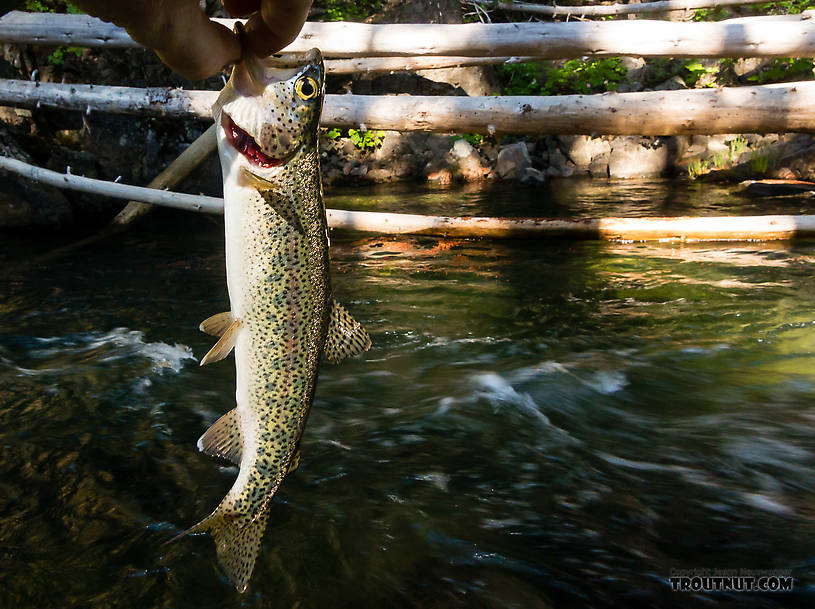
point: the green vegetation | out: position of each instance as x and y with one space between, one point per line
574 76
697 168
474 139
712 14
783 69
364 140
694 70
791 7
348 10
727 158
57 58
50 6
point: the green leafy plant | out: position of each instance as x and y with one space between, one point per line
50 6
366 140
474 139
57 58
790 7
784 69
348 10
712 14
573 76
694 70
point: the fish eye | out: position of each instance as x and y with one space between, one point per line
306 88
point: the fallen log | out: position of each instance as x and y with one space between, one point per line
682 229
604 10
368 65
777 108
177 200
746 37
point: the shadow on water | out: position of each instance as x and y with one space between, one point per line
536 425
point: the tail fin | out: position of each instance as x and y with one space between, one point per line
237 541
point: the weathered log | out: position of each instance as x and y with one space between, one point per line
683 229
368 65
777 108
602 10
746 37
152 101
111 189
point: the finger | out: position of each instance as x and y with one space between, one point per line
199 51
241 8
276 25
181 34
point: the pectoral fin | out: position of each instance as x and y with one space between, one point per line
224 345
223 439
217 324
282 204
346 336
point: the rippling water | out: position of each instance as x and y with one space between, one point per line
537 424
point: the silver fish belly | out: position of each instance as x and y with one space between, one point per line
282 317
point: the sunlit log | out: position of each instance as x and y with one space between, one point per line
746 37
604 10
683 229
776 108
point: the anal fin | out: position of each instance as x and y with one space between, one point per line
217 324
223 439
346 336
224 345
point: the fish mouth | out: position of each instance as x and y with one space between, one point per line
247 146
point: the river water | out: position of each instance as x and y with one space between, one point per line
536 425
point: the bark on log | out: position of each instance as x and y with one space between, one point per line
684 229
369 65
602 10
777 108
747 37
177 200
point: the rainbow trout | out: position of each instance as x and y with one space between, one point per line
283 317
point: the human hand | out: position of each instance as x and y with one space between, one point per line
188 42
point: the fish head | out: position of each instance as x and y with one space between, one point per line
269 111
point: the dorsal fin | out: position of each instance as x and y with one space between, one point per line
224 345
217 324
224 439
346 336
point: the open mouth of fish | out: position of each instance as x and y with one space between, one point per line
247 146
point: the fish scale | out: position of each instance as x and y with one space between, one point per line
283 317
